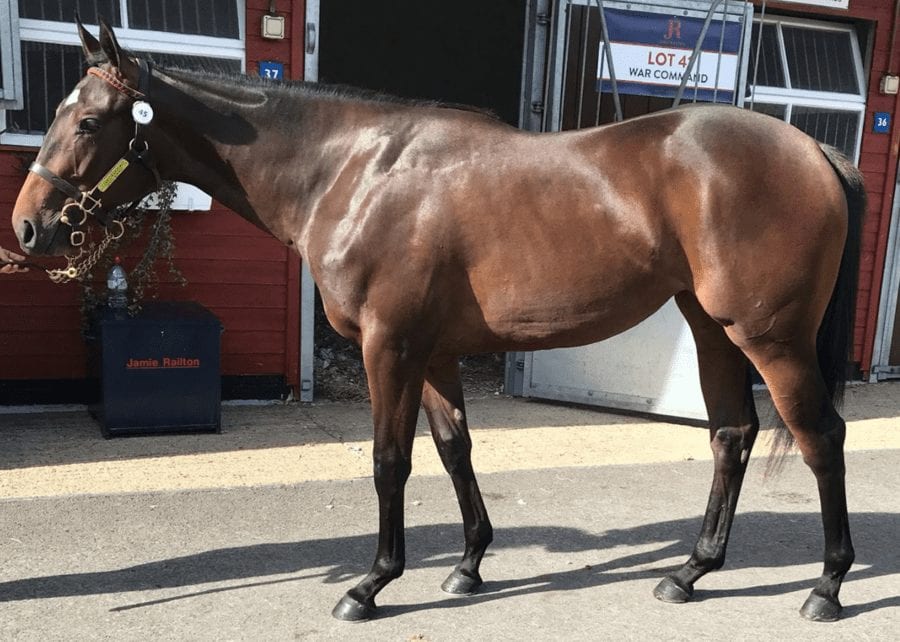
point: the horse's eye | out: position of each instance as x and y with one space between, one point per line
88 126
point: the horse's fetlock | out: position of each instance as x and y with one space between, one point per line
482 533
839 562
389 568
707 559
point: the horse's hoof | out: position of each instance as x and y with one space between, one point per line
349 609
673 591
459 583
819 608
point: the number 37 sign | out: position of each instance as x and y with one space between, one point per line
271 70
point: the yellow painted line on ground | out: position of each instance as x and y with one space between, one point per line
495 450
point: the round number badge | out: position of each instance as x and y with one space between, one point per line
142 112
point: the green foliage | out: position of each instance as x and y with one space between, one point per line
143 279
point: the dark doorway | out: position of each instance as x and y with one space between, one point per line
465 51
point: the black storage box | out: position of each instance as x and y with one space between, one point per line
158 370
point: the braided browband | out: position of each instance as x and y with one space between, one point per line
117 84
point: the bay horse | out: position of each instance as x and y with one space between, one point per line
434 232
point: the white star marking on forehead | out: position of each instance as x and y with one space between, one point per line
73 97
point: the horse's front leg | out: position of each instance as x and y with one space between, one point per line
396 374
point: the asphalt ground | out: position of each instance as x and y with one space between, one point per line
257 532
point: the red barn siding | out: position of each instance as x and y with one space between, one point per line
247 278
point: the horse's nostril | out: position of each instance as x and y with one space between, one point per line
28 236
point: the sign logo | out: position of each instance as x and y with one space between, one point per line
674 31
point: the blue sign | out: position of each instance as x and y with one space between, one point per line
651 52
271 69
882 124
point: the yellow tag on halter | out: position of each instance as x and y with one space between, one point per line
112 175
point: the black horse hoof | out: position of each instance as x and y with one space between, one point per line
349 609
821 609
459 583
673 591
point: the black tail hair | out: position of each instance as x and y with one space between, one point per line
834 342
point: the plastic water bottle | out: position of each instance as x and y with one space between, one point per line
117 286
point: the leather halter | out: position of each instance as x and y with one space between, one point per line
88 203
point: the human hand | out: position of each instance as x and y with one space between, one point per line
10 268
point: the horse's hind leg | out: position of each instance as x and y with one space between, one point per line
799 393
733 425
443 402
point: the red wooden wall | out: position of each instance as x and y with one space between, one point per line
248 279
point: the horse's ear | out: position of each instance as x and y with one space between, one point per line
93 53
117 56
110 45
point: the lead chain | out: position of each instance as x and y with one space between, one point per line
74 270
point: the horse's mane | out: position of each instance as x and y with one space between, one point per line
235 86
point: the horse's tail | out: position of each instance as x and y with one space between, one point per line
834 341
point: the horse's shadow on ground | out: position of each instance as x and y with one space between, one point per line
761 539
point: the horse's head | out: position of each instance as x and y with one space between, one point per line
94 156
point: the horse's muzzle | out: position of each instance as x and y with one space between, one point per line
37 239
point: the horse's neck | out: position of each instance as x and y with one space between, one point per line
266 154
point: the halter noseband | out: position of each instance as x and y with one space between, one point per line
88 203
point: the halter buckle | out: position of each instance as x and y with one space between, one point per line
76 238
88 203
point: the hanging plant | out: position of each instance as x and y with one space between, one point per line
143 277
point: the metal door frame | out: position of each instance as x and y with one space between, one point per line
887 305
307 285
